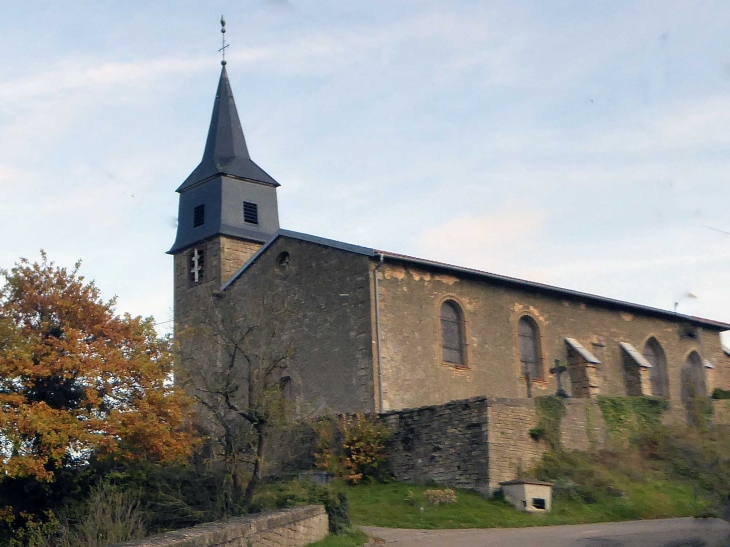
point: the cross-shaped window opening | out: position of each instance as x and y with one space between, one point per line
197 265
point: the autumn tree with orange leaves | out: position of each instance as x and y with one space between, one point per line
78 381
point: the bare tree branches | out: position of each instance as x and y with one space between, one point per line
234 354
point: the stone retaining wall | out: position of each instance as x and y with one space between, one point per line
477 443
294 527
446 444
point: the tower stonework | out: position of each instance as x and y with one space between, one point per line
227 211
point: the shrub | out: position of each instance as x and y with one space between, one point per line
35 533
720 393
440 497
338 511
352 448
537 433
293 493
109 516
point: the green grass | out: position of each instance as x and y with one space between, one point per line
352 538
663 474
385 505
660 473
598 487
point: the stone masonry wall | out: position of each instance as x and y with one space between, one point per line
286 528
223 257
413 371
478 443
324 316
319 306
446 444
510 447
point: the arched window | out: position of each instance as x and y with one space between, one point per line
285 386
693 378
530 354
452 333
654 353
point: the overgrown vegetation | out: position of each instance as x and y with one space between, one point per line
292 493
627 418
550 412
646 471
352 448
437 496
109 516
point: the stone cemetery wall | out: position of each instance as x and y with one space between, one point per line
477 443
286 528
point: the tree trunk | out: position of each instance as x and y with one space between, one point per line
255 475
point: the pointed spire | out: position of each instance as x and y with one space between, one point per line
226 152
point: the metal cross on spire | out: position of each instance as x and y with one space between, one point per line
223 41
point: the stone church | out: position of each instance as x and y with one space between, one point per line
374 331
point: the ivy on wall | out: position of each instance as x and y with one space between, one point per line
591 427
627 417
550 411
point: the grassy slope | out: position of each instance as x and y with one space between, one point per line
385 505
668 473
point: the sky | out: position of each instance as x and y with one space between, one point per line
584 145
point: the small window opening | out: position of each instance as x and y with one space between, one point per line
198 216
538 503
283 261
286 388
250 212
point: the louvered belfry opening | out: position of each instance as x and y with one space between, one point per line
250 212
530 347
198 216
452 333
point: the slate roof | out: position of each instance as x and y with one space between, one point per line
503 280
226 152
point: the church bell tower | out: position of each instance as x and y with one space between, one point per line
227 208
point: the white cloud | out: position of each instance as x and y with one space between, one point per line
493 242
88 75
